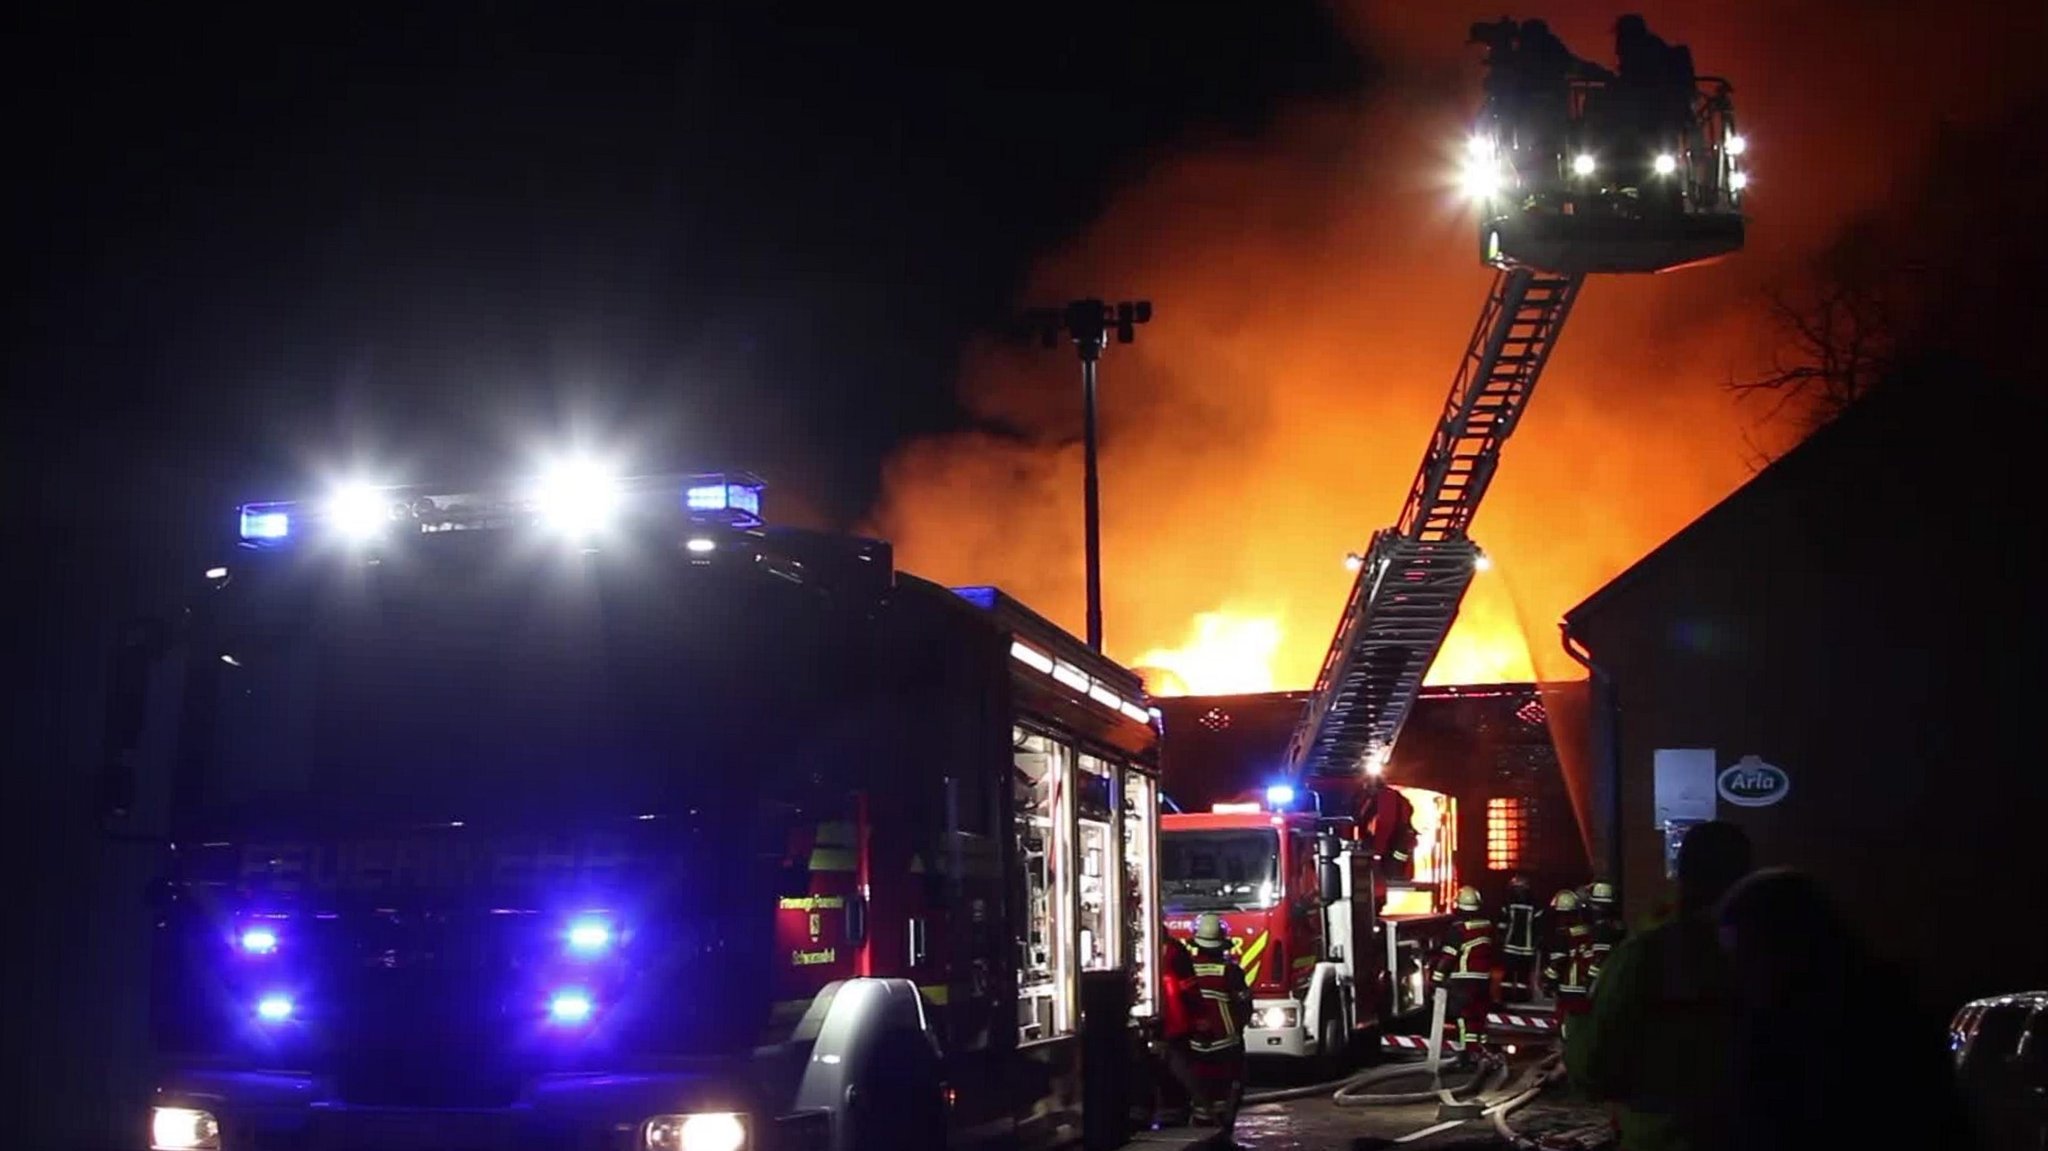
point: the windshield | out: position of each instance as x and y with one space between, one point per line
459 681
1219 870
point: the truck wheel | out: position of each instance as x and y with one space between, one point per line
1335 1049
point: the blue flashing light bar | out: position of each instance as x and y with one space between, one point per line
744 498
731 500
981 597
266 522
1280 796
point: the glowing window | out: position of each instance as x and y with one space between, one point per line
1506 830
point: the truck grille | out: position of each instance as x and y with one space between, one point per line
446 1079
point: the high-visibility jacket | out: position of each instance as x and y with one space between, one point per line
1179 999
1573 958
1467 952
1570 972
1518 929
1556 932
1607 931
1226 1005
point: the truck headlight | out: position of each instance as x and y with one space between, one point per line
182 1129
703 1131
1271 1018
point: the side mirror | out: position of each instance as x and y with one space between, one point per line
140 643
1331 878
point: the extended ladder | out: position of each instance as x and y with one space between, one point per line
1415 573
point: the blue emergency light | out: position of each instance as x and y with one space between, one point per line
1279 796
577 501
744 498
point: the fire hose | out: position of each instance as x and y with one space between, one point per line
1533 1082
1359 1090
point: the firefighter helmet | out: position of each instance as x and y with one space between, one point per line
1209 932
1566 900
1602 894
1518 888
1468 899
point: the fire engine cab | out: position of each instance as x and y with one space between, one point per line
601 813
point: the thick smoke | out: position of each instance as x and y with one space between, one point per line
1314 292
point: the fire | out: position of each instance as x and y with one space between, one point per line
1226 653
1314 290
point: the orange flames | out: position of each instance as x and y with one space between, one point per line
1314 291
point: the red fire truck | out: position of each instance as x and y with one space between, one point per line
601 813
1329 963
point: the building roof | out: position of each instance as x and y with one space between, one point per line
1815 456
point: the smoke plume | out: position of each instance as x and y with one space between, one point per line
1313 293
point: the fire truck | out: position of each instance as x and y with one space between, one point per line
1330 958
599 813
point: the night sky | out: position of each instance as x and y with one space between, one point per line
418 243
257 249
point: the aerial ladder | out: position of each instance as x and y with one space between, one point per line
1609 195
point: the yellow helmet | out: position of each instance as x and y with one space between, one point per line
1566 900
1602 894
1468 899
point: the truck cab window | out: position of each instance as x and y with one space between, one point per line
1220 870
1041 798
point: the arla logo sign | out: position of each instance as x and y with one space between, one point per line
1751 782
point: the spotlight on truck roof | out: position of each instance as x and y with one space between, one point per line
578 496
1665 163
1482 180
359 512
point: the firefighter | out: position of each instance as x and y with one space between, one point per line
1545 69
1216 1039
1562 924
1518 939
1568 977
1390 818
1175 1088
1603 922
1465 969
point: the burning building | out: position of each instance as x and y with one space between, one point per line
1493 749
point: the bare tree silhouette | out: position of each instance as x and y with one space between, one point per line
1840 331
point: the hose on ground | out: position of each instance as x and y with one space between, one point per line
1539 1077
1329 1087
1356 1090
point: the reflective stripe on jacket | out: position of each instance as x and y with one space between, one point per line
1225 1005
1467 952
